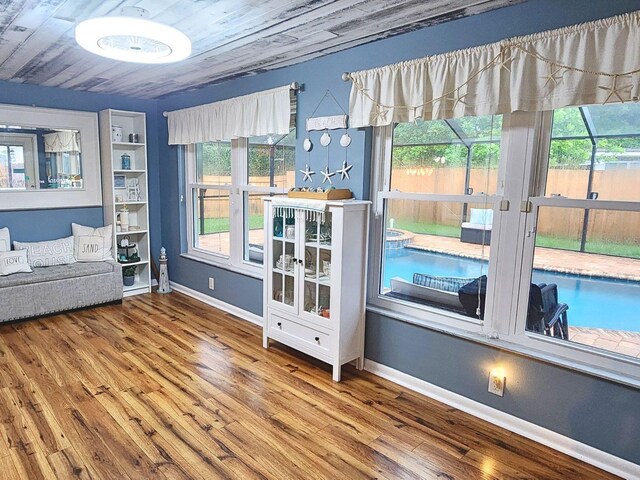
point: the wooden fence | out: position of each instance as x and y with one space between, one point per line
621 227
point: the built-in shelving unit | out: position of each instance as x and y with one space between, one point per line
119 191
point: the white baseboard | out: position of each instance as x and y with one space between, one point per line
214 302
581 451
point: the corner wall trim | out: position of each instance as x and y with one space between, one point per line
214 302
561 443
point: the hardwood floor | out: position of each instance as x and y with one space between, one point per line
167 387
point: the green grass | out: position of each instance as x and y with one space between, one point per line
592 246
427 228
221 225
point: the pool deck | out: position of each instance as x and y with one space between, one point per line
626 343
549 259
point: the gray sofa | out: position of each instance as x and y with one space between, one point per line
55 289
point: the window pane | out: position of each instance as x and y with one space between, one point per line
604 167
569 164
435 256
453 157
476 129
616 119
211 220
272 160
253 227
12 169
213 163
590 294
568 122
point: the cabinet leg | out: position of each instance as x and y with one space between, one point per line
337 370
360 362
265 341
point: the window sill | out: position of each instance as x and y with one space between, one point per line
246 270
513 346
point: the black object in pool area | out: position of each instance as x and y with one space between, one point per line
473 295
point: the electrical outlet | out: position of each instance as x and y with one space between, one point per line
497 380
212 283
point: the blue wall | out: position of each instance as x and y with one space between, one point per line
591 410
35 225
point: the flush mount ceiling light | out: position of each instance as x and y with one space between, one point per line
131 38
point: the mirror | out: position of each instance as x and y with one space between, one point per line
39 158
49 158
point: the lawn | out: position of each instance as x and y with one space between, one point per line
592 246
427 228
221 225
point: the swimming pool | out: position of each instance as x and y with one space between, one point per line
593 302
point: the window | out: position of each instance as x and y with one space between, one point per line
584 278
15 172
543 206
438 190
226 181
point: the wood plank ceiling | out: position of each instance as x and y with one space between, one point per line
231 38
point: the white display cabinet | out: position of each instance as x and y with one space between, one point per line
125 188
315 274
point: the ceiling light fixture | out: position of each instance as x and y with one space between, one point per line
131 38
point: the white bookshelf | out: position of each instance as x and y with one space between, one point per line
111 154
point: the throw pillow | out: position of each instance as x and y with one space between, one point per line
14 262
48 254
92 244
5 240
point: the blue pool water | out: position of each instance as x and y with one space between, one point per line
593 302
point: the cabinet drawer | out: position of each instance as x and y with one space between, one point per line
299 335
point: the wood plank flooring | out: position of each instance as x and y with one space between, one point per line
166 387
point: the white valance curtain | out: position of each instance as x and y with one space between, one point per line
261 113
595 62
61 141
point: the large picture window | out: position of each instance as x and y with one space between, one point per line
437 195
523 228
585 275
226 181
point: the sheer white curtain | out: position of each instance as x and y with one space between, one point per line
61 141
262 113
595 62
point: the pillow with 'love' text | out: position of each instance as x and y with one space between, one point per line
14 262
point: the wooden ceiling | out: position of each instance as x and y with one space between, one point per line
231 38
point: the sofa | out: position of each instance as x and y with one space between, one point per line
58 288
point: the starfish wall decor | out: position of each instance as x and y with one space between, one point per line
307 172
344 171
327 175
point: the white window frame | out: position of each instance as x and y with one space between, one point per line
29 144
237 220
380 192
524 154
611 365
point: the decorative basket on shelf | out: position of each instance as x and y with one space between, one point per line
333 194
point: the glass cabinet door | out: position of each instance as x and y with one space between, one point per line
283 258
317 266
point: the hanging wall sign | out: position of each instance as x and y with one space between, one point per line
332 122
